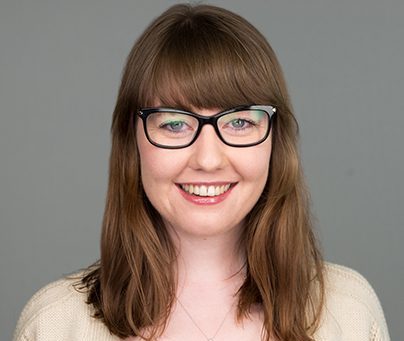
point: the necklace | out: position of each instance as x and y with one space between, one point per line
199 328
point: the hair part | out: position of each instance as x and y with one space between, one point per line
205 57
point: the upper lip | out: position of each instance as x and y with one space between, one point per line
202 183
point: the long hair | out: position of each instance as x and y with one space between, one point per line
205 57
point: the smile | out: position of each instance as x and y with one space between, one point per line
205 190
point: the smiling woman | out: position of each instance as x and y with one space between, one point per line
204 165
207 232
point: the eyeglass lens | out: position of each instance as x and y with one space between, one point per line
178 129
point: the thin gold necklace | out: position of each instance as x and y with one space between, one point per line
199 328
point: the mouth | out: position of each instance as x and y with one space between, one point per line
206 190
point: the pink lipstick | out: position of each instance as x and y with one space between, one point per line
205 200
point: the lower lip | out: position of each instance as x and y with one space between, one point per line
197 200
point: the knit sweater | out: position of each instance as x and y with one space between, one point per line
59 312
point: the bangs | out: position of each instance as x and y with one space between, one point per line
199 66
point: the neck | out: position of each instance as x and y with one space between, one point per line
208 260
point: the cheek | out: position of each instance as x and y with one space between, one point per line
158 166
254 164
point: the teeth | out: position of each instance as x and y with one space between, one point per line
211 191
205 191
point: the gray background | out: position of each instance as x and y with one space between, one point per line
60 69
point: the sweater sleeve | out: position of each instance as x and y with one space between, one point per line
59 312
28 326
352 306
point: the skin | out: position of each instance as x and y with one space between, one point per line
206 235
207 160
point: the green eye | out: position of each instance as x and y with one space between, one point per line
173 125
238 123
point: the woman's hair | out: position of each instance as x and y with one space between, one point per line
205 57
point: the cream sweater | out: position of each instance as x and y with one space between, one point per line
59 313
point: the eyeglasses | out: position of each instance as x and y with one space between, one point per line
242 126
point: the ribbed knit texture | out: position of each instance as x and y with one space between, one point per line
58 312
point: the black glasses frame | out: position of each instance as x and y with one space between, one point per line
270 110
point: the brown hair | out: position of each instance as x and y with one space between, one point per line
205 57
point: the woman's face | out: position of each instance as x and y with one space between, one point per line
210 167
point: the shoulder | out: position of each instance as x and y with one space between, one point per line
352 308
59 311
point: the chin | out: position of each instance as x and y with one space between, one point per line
206 229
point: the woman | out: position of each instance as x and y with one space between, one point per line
206 232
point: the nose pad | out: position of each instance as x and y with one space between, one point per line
208 151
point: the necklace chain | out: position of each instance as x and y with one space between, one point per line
199 328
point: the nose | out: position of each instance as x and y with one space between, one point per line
208 151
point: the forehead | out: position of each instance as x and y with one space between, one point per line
185 106
217 83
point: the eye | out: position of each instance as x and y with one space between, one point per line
239 123
173 126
